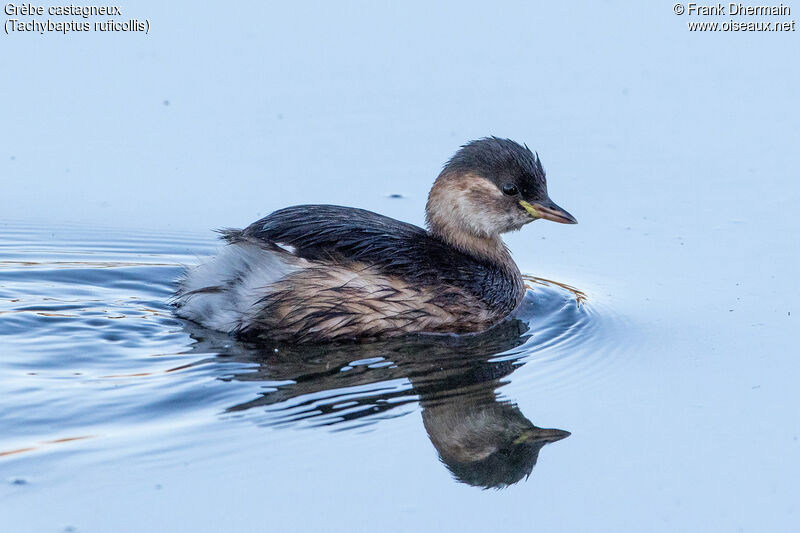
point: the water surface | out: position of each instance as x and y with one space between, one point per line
98 373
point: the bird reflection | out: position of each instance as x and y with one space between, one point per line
482 440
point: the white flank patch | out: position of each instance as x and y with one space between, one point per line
244 272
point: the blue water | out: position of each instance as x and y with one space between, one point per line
672 363
99 374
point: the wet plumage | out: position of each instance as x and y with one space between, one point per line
319 272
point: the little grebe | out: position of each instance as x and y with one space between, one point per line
321 272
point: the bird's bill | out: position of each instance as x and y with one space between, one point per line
542 434
549 211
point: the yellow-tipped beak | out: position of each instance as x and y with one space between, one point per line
548 211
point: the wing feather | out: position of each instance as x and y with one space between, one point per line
328 232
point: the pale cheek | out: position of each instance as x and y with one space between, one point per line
516 220
480 209
482 219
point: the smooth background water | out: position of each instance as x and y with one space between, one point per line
677 152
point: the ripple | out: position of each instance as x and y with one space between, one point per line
91 347
575 337
77 306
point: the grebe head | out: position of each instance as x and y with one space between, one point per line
490 186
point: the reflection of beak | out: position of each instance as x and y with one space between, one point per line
542 435
548 210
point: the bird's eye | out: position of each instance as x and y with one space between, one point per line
510 189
